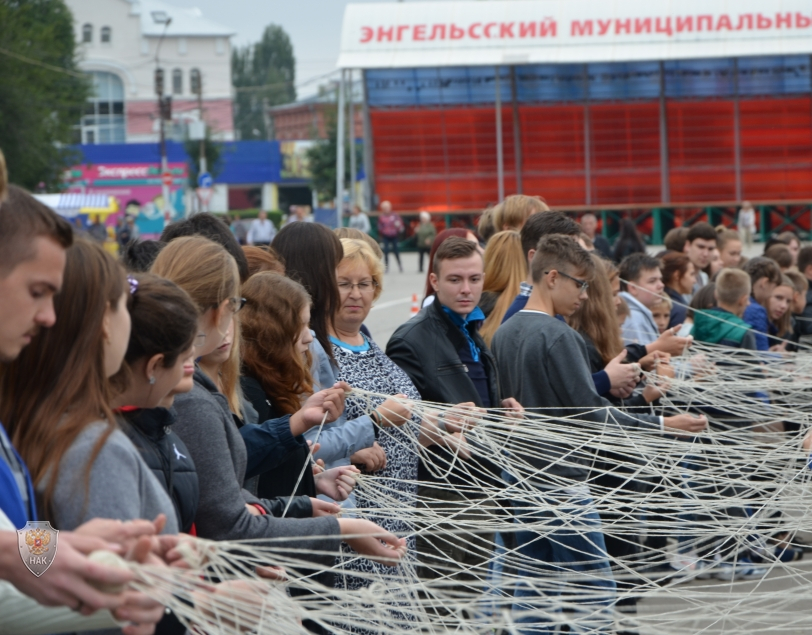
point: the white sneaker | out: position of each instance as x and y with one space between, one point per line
743 569
685 563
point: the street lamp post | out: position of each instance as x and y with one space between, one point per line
164 105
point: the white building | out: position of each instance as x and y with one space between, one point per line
122 42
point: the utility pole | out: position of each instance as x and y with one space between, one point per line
164 106
351 140
197 89
340 139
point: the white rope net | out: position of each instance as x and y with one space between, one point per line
681 516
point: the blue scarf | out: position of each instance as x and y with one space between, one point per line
462 323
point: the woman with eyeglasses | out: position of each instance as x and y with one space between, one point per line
226 511
364 365
312 254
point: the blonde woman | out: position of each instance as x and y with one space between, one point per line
513 212
505 269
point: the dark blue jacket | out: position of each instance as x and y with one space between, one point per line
678 311
756 316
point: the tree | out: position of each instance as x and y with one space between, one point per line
42 91
322 159
214 159
264 75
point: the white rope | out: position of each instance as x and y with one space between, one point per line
711 500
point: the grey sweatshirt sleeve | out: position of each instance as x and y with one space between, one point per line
221 514
572 384
120 486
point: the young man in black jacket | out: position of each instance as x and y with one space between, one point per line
448 362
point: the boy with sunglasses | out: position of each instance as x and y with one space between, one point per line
542 362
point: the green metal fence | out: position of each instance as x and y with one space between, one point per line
653 221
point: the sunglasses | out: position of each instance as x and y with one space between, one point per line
582 285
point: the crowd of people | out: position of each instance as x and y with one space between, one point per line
201 384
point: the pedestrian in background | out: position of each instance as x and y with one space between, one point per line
747 223
97 230
262 230
238 229
359 220
389 227
589 225
425 234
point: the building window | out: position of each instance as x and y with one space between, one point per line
177 82
103 119
87 33
194 81
181 46
105 34
219 46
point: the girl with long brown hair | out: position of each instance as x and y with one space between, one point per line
598 325
56 403
779 314
205 423
505 269
277 380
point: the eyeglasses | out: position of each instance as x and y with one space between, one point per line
365 286
236 304
200 340
583 285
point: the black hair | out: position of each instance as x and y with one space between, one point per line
702 231
211 227
312 252
139 255
804 258
628 241
545 224
634 265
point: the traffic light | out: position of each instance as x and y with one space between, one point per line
159 81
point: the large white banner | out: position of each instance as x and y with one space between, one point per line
496 32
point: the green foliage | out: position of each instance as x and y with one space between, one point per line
39 106
275 216
322 160
268 64
214 157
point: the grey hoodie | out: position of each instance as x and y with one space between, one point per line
206 426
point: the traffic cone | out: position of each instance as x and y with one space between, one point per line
415 306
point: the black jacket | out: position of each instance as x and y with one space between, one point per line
166 455
290 453
426 348
678 311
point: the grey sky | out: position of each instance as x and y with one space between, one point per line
313 25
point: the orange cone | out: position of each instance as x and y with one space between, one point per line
415 305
